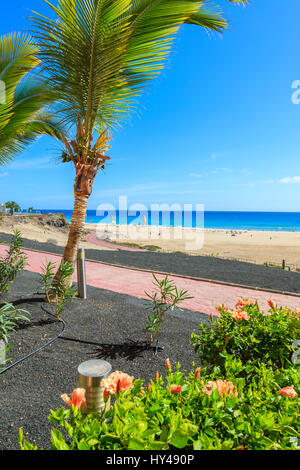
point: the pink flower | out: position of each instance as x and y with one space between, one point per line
175 389
117 382
168 365
223 387
77 398
288 392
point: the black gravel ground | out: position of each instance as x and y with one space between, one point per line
205 267
30 389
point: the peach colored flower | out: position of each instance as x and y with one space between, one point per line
77 398
168 365
240 315
149 387
223 387
288 392
117 382
156 375
175 389
240 448
197 373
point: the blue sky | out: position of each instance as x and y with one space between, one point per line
218 127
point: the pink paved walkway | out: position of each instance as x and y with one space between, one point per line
92 238
129 281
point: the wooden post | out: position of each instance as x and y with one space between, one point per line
81 276
2 352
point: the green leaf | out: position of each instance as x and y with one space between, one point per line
83 445
136 443
182 434
57 440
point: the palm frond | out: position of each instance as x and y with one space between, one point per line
100 54
25 112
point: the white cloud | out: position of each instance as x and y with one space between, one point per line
290 179
195 175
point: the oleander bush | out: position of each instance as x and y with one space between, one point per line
10 316
12 263
57 291
204 409
164 299
249 334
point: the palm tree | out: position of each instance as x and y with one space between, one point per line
99 55
31 209
24 100
13 206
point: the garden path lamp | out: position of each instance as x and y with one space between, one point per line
90 375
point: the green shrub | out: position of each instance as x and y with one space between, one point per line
249 334
58 294
13 263
9 318
166 298
202 410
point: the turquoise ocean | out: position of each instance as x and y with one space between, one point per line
268 221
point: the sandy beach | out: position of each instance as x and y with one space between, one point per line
35 228
252 246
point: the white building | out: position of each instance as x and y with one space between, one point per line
2 208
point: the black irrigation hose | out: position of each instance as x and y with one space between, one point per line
40 348
77 340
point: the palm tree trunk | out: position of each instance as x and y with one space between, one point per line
85 176
76 231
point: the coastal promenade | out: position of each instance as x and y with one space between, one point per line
134 282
